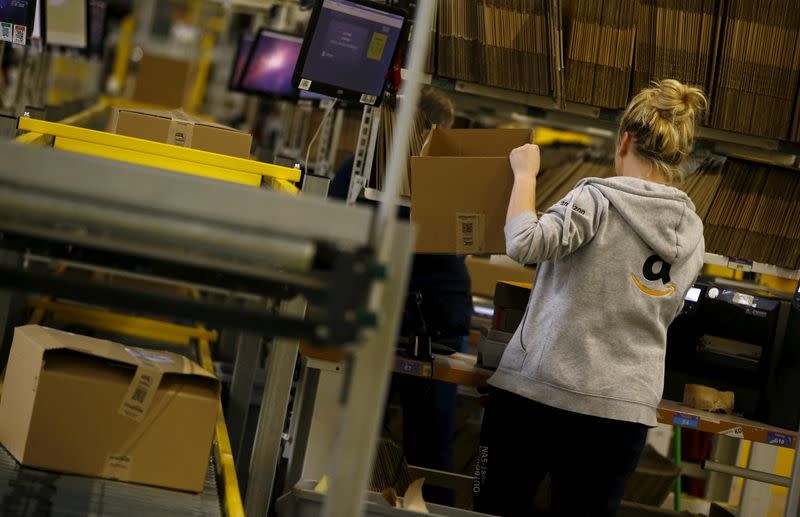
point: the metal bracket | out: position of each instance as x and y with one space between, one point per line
365 152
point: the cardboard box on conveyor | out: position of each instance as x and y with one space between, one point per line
88 406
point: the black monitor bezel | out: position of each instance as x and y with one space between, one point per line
237 87
336 91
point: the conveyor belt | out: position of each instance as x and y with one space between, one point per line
27 492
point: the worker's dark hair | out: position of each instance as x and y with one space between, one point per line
436 107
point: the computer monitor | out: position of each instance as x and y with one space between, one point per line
350 46
240 61
66 23
97 27
16 20
271 65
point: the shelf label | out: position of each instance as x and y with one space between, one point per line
783 440
740 265
736 432
685 420
408 366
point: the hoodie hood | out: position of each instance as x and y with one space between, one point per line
662 216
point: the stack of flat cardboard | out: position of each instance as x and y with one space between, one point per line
599 53
564 170
750 211
677 40
516 45
461 37
757 75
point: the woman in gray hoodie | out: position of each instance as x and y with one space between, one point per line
580 381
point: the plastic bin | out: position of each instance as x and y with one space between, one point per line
302 501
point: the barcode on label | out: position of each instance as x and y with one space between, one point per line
305 84
139 395
5 31
469 233
20 34
368 99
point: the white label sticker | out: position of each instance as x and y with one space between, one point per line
118 466
140 393
20 34
368 99
305 84
469 233
5 31
149 356
736 432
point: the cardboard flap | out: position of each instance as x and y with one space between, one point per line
475 142
165 362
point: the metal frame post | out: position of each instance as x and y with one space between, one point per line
248 350
322 164
793 499
365 152
274 404
365 393
756 494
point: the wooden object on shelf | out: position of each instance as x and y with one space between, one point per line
708 399
757 72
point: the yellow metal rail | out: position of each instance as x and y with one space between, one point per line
160 162
146 328
230 482
194 156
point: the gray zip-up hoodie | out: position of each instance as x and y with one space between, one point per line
616 257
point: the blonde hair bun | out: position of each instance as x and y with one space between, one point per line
661 122
677 101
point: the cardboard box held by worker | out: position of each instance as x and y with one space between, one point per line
178 128
87 406
460 187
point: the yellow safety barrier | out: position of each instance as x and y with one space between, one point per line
159 149
160 162
146 328
230 482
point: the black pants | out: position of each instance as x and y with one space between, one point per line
589 459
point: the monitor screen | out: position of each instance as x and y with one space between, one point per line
271 64
97 26
349 49
240 61
16 20
66 23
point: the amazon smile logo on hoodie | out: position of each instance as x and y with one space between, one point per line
649 273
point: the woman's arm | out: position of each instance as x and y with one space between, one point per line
525 164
